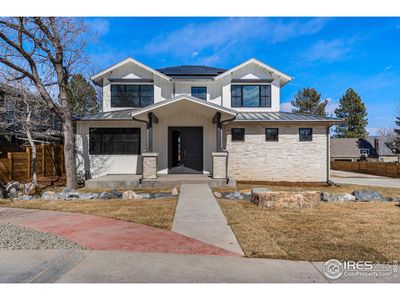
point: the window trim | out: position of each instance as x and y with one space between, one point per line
244 134
277 134
191 91
259 95
300 140
131 84
139 146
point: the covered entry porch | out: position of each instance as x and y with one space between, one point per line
184 136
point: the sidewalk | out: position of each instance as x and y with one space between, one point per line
199 216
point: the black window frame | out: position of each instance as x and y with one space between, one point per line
263 100
301 136
104 141
199 87
141 95
234 139
266 134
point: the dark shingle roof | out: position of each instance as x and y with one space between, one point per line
198 71
350 147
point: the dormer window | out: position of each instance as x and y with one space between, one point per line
250 95
132 95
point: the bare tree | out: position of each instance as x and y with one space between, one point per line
386 133
47 50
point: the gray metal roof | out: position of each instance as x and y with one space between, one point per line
282 117
125 114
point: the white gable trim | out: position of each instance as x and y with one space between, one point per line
128 60
286 77
182 98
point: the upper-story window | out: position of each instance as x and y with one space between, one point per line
199 92
132 95
251 95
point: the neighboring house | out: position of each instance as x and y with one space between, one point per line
372 148
198 119
12 135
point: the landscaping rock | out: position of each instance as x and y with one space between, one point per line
259 190
247 195
110 195
393 199
366 195
131 195
49 195
12 188
217 195
88 196
145 195
161 195
174 192
286 200
332 197
233 196
24 197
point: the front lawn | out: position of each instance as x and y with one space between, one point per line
157 213
345 231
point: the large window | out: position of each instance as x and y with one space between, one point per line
131 95
271 134
237 134
251 95
114 141
305 134
199 92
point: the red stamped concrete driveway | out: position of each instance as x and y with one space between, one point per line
101 233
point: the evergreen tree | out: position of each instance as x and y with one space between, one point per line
354 113
82 96
308 101
397 135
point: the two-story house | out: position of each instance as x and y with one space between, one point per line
199 119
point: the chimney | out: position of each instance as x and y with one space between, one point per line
376 146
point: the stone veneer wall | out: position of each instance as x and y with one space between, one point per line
219 165
149 165
285 160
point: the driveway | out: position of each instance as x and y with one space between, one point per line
78 266
363 179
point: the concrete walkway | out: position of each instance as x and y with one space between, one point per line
100 233
199 216
79 266
342 177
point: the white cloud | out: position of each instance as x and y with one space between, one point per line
329 51
227 35
286 106
331 106
99 25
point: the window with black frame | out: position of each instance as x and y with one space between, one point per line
132 95
271 134
107 141
237 134
305 134
199 92
250 95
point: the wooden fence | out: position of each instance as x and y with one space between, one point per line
373 168
18 165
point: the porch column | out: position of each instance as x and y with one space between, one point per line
219 132
149 132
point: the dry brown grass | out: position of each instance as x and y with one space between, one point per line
345 231
343 188
157 213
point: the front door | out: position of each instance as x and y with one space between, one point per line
185 150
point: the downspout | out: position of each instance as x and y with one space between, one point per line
328 156
222 144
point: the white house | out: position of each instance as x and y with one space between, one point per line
198 119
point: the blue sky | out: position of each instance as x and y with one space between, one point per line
329 54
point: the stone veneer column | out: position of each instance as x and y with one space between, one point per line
149 165
219 165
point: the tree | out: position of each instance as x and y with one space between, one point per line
308 101
397 135
47 50
354 114
82 96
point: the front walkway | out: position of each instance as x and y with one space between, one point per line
101 233
342 177
199 216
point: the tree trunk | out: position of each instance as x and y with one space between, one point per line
33 146
69 154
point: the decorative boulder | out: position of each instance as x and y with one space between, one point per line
287 200
366 195
68 194
332 197
12 188
88 196
217 195
162 195
131 195
174 192
110 195
49 195
24 197
393 199
145 195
